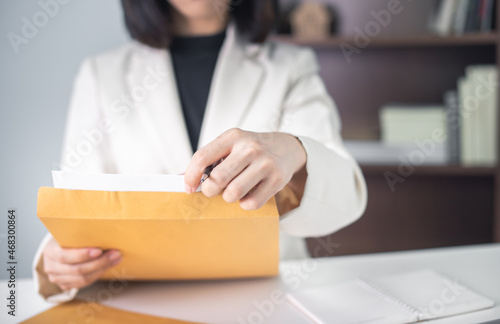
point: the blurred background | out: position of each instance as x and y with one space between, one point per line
415 83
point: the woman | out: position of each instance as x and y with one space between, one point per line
200 77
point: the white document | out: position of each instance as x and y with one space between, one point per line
118 182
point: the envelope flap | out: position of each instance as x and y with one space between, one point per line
93 204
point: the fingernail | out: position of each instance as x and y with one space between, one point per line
188 189
115 262
114 255
95 253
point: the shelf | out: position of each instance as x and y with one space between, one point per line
397 41
441 170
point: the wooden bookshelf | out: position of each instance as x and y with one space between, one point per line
444 171
482 39
436 206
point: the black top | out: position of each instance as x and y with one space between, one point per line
194 59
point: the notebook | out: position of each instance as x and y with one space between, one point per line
403 298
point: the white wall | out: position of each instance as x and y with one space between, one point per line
35 86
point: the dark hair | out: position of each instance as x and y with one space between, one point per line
149 21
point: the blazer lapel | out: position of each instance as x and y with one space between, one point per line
161 112
235 82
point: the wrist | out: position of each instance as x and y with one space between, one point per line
300 155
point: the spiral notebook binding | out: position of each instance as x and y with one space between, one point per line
391 299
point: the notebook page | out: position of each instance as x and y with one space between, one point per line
118 182
346 303
433 294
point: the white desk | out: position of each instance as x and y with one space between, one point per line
235 301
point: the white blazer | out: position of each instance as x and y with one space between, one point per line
125 117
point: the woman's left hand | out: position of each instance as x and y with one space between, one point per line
256 166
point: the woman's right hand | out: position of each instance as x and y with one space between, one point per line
76 268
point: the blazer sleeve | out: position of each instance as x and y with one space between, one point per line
335 191
83 152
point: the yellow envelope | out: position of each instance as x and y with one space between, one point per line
166 235
83 312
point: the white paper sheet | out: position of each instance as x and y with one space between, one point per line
118 182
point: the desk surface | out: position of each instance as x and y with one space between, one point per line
260 300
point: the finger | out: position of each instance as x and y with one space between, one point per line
108 259
72 281
259 195
208 155
68 281
70 255
224 173
240 186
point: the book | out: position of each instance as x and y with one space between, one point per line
484 79
487 15
380 153
406 123
453 125
468 156
407 297
473 17
460 20
464 16
478 93
443 21
494 14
